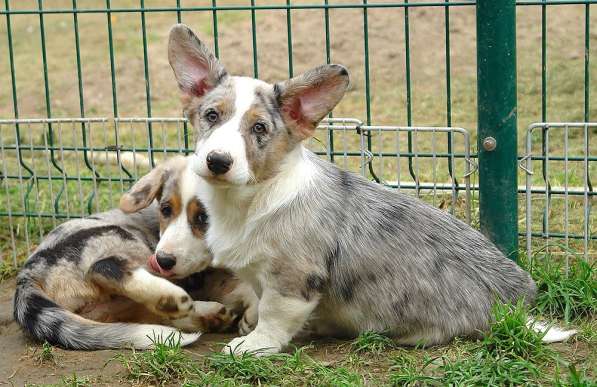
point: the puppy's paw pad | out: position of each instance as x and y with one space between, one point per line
175 306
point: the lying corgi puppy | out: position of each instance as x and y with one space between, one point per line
325 249
90 284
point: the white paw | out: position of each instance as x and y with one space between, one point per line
176 304
253 343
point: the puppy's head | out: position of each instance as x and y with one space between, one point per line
245 126
183 220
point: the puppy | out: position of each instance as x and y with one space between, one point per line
325 249
90 285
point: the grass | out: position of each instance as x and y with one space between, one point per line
372 342
509 335
165 363
46 355
568 293
510 353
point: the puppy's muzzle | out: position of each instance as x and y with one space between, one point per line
219 162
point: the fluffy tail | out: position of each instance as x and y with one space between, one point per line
47 321
551 334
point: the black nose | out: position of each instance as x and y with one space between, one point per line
219 162
166 261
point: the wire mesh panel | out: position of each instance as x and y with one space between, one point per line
54 169
433 163
559 188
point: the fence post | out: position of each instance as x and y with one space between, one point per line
496 106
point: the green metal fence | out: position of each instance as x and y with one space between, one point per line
439 95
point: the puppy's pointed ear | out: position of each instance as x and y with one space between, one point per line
196 69
306 99
143 191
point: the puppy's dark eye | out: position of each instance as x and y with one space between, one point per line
211 116
201 218
259 128
166 210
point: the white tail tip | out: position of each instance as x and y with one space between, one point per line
552 334
146 337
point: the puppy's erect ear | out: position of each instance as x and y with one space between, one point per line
143 191
196 69
306 99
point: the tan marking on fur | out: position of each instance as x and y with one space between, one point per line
221 99
175 201
264 161
63 285
195 209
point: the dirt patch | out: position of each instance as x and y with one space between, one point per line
21 360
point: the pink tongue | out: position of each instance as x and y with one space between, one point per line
152 262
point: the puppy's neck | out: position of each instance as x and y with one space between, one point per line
295 174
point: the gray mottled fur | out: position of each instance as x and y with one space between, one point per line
388 262
129 236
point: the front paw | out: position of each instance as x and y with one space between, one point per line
174 305
253 343
248 322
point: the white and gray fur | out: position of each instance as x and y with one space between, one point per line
326 250
87 285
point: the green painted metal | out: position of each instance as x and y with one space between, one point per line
496 106
254 37
214 18
328 60
289 34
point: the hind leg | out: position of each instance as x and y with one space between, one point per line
158 294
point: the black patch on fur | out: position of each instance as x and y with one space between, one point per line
221 76
345 180
346 286
391 220
34 305
278 94
70 248
112 268
331 258
315 282
343 71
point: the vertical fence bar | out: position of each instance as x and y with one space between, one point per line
254 37
112 65
289 34
496 106
15 104
328 60
147 81
214 18
409 116
449 110
367 85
